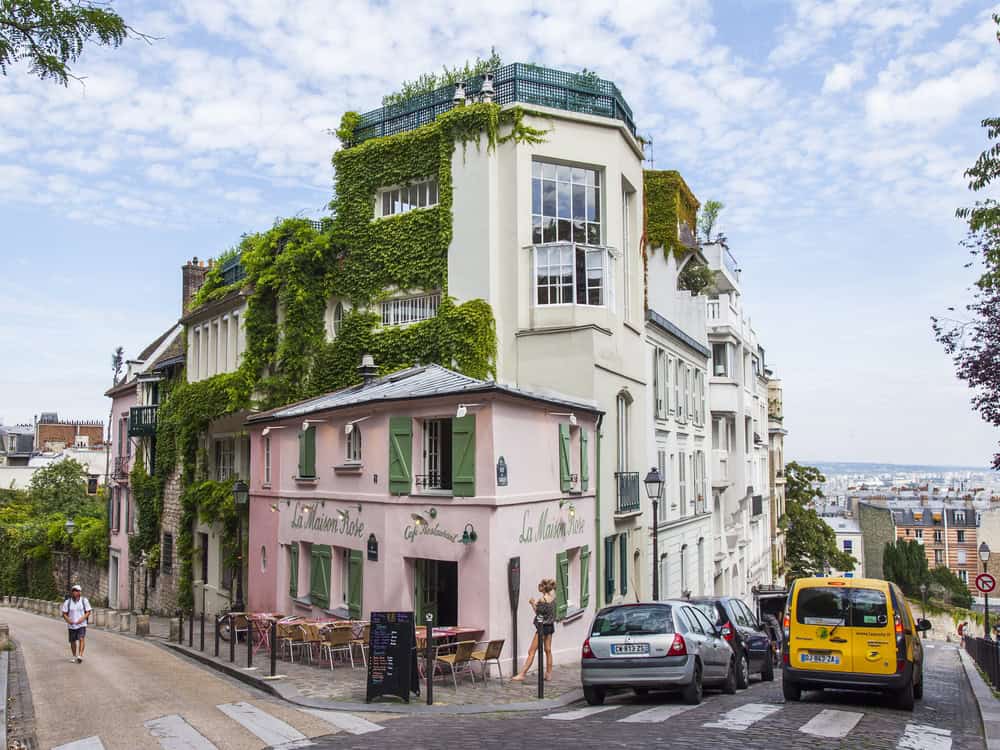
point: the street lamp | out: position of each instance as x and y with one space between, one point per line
984 555
923 590
654 488
70 528
241 497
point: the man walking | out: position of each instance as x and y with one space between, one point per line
76 612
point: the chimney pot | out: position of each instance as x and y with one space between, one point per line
367 370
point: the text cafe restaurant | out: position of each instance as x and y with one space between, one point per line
413 492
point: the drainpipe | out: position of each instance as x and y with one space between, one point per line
598 547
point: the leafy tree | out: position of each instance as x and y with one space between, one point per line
60 487
904 562
695 278
449 76
51 34
709 216
810 543
955 592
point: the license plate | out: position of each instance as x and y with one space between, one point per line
820 658
630 649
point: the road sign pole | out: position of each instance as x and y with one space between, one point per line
985 583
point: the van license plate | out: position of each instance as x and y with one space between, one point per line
630 649
821 658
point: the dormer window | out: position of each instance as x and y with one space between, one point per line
401 199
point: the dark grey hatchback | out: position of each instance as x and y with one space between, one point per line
754 649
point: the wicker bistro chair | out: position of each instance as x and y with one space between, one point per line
290 636
338 641
459 661
361 643
313 638
489 655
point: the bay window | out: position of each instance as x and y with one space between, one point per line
567 273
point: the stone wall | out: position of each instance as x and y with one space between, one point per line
91 576
878 529
163 586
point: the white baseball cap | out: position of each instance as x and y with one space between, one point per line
76 588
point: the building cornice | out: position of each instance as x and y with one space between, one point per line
665 326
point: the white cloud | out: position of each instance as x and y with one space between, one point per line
843 76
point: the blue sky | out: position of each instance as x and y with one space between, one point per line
836 132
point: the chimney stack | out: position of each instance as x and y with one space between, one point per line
368 371
192 277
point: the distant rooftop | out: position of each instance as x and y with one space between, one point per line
517 82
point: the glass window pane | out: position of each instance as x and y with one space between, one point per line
564 173
543 295
579 202
581 277
536 196
564 200
565 230
549 230
386 204
414 196
579 175
591 175
536 169
549 198
432 194
579 232
422 194
536 230
549 171
593 234
597 177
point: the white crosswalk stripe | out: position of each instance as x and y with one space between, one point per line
344 721
657 714
176 734
831 723
743 717
90 743
924 737
580 713
270 730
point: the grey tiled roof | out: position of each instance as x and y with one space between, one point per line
415 382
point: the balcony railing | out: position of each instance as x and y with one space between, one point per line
233 271
518 82
628 491
120 468
730 262
142 421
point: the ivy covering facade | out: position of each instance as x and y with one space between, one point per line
668 201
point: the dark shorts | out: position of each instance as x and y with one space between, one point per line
548 628
77 635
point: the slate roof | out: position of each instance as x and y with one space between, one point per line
423 381
908 518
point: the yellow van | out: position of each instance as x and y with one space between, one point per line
852 633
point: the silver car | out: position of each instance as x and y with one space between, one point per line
655 645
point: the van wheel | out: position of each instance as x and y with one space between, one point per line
767 672
791 691
743 672
904 698
594 695
729 686
692 692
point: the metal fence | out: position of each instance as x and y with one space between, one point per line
986 654
628 491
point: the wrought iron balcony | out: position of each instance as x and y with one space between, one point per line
628 491
518 82
142 421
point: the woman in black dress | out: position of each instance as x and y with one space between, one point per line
546 608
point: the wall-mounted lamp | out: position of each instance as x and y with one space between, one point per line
267 430
418 518
572 507
463 409
571 415
349 427
469 535
307 422
274 507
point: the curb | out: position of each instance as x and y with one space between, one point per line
4 665
291 695
989 706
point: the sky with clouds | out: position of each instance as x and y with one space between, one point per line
836 132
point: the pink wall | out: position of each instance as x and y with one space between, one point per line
120 405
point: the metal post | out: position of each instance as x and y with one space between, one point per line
249 644
986 611
238 604
216 621
656 554
191 629
541 656
180 626
232 639
69 582
274 647
145 590
429 655
202 630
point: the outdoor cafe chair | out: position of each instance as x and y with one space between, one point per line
459 661
313 638
290 636
338 641
361 642
489 655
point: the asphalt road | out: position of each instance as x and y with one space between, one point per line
124 683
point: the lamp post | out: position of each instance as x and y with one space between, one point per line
241 497
654 488
144 562
984 555
923 590
70 528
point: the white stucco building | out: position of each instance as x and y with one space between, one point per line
849 540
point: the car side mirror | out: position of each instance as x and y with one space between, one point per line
717 629
923 625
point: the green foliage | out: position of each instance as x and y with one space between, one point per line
953 590
60 487
708 218
695 278
428 82
348 124
214 287
668 201
51 34
810 543
904 562
146 493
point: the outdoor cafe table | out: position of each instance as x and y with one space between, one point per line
260 625
445 637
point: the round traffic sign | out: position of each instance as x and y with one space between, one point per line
986 583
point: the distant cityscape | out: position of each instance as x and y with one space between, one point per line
845 476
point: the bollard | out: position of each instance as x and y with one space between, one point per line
216 620
190 628
99 618
180 627
541 656
202 631
429 656
175 630
249 644
232 639
274 646
142 625
125 625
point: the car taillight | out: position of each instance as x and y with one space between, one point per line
784 656
727 632
786 624
899 626
588 653
678 647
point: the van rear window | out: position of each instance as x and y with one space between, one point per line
853 607
634 620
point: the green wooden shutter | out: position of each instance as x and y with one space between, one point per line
400 455
463 456
562 584
584 577
319 576
609 569
293 569
584 462
565 483
623 557
307 453
355 581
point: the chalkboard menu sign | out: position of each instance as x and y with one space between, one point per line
392 656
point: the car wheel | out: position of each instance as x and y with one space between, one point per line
904 698
743 672
767 673
692 692
729 686
594 695
791 691
918 687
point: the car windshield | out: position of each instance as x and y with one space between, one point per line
708 609
634 620
852 607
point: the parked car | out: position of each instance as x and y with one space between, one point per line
655 645
854 633
748 637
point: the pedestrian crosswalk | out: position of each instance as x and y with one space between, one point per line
175 732
826 723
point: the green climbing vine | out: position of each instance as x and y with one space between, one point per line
668 202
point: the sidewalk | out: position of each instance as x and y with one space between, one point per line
989 706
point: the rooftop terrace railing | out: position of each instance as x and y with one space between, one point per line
517 82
